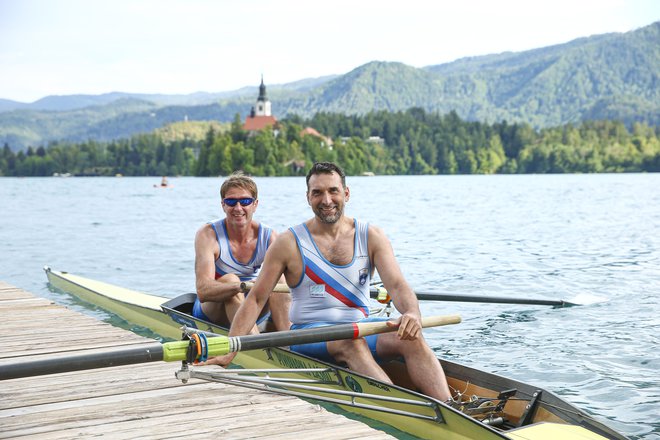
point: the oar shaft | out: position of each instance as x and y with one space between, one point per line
89 359
325 333
489 299
432 296
217 346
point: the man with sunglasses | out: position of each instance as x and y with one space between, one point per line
327 263
230 251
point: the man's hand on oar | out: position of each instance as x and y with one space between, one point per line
409 327
222 361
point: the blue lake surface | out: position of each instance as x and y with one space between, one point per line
588 238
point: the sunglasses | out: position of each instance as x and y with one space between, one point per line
247 201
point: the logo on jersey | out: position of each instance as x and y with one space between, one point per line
364 274
317 290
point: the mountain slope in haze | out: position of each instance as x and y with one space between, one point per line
75 102
610 76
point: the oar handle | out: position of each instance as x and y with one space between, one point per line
371 328
279 287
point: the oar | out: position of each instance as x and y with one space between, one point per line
381 293
433 296
217 346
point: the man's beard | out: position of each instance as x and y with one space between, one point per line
329 218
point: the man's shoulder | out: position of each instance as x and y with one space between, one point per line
206 231
286 235
284 244
376 233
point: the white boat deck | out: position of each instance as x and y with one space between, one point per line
135 401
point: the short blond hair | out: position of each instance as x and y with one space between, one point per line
238 179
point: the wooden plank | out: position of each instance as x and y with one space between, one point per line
65 342
14 303
134 401
8 292
43 390
154 410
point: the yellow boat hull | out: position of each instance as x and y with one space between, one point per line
433 420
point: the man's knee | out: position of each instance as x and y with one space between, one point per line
239 296
280 300
346 350
389 345
229 278
236 299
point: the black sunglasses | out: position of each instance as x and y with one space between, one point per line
247 201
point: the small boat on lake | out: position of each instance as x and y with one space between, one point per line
164 183
487 406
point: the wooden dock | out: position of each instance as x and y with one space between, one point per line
136 401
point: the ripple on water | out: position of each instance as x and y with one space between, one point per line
554 237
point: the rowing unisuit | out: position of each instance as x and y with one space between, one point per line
327 292
226 263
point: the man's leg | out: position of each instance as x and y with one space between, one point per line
423 367
279 304
357 356
223 312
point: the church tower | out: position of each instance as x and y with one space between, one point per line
263 104
260 116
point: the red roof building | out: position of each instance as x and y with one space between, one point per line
256 123
327 142
260 115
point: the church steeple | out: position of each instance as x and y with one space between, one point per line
263 104
260 117
262 91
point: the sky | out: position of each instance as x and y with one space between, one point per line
62 47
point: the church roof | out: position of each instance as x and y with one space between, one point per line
255 123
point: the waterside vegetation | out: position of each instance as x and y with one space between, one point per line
381 142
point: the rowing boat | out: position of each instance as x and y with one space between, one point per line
489 406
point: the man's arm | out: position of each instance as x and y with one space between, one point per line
274 265
206 252
272 269
402 295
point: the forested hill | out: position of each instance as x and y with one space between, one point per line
611 76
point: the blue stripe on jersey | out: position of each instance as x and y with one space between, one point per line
334 284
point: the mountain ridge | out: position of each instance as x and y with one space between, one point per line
606 76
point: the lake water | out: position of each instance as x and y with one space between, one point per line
588 238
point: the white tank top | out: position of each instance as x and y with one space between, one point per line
327 292
226 263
